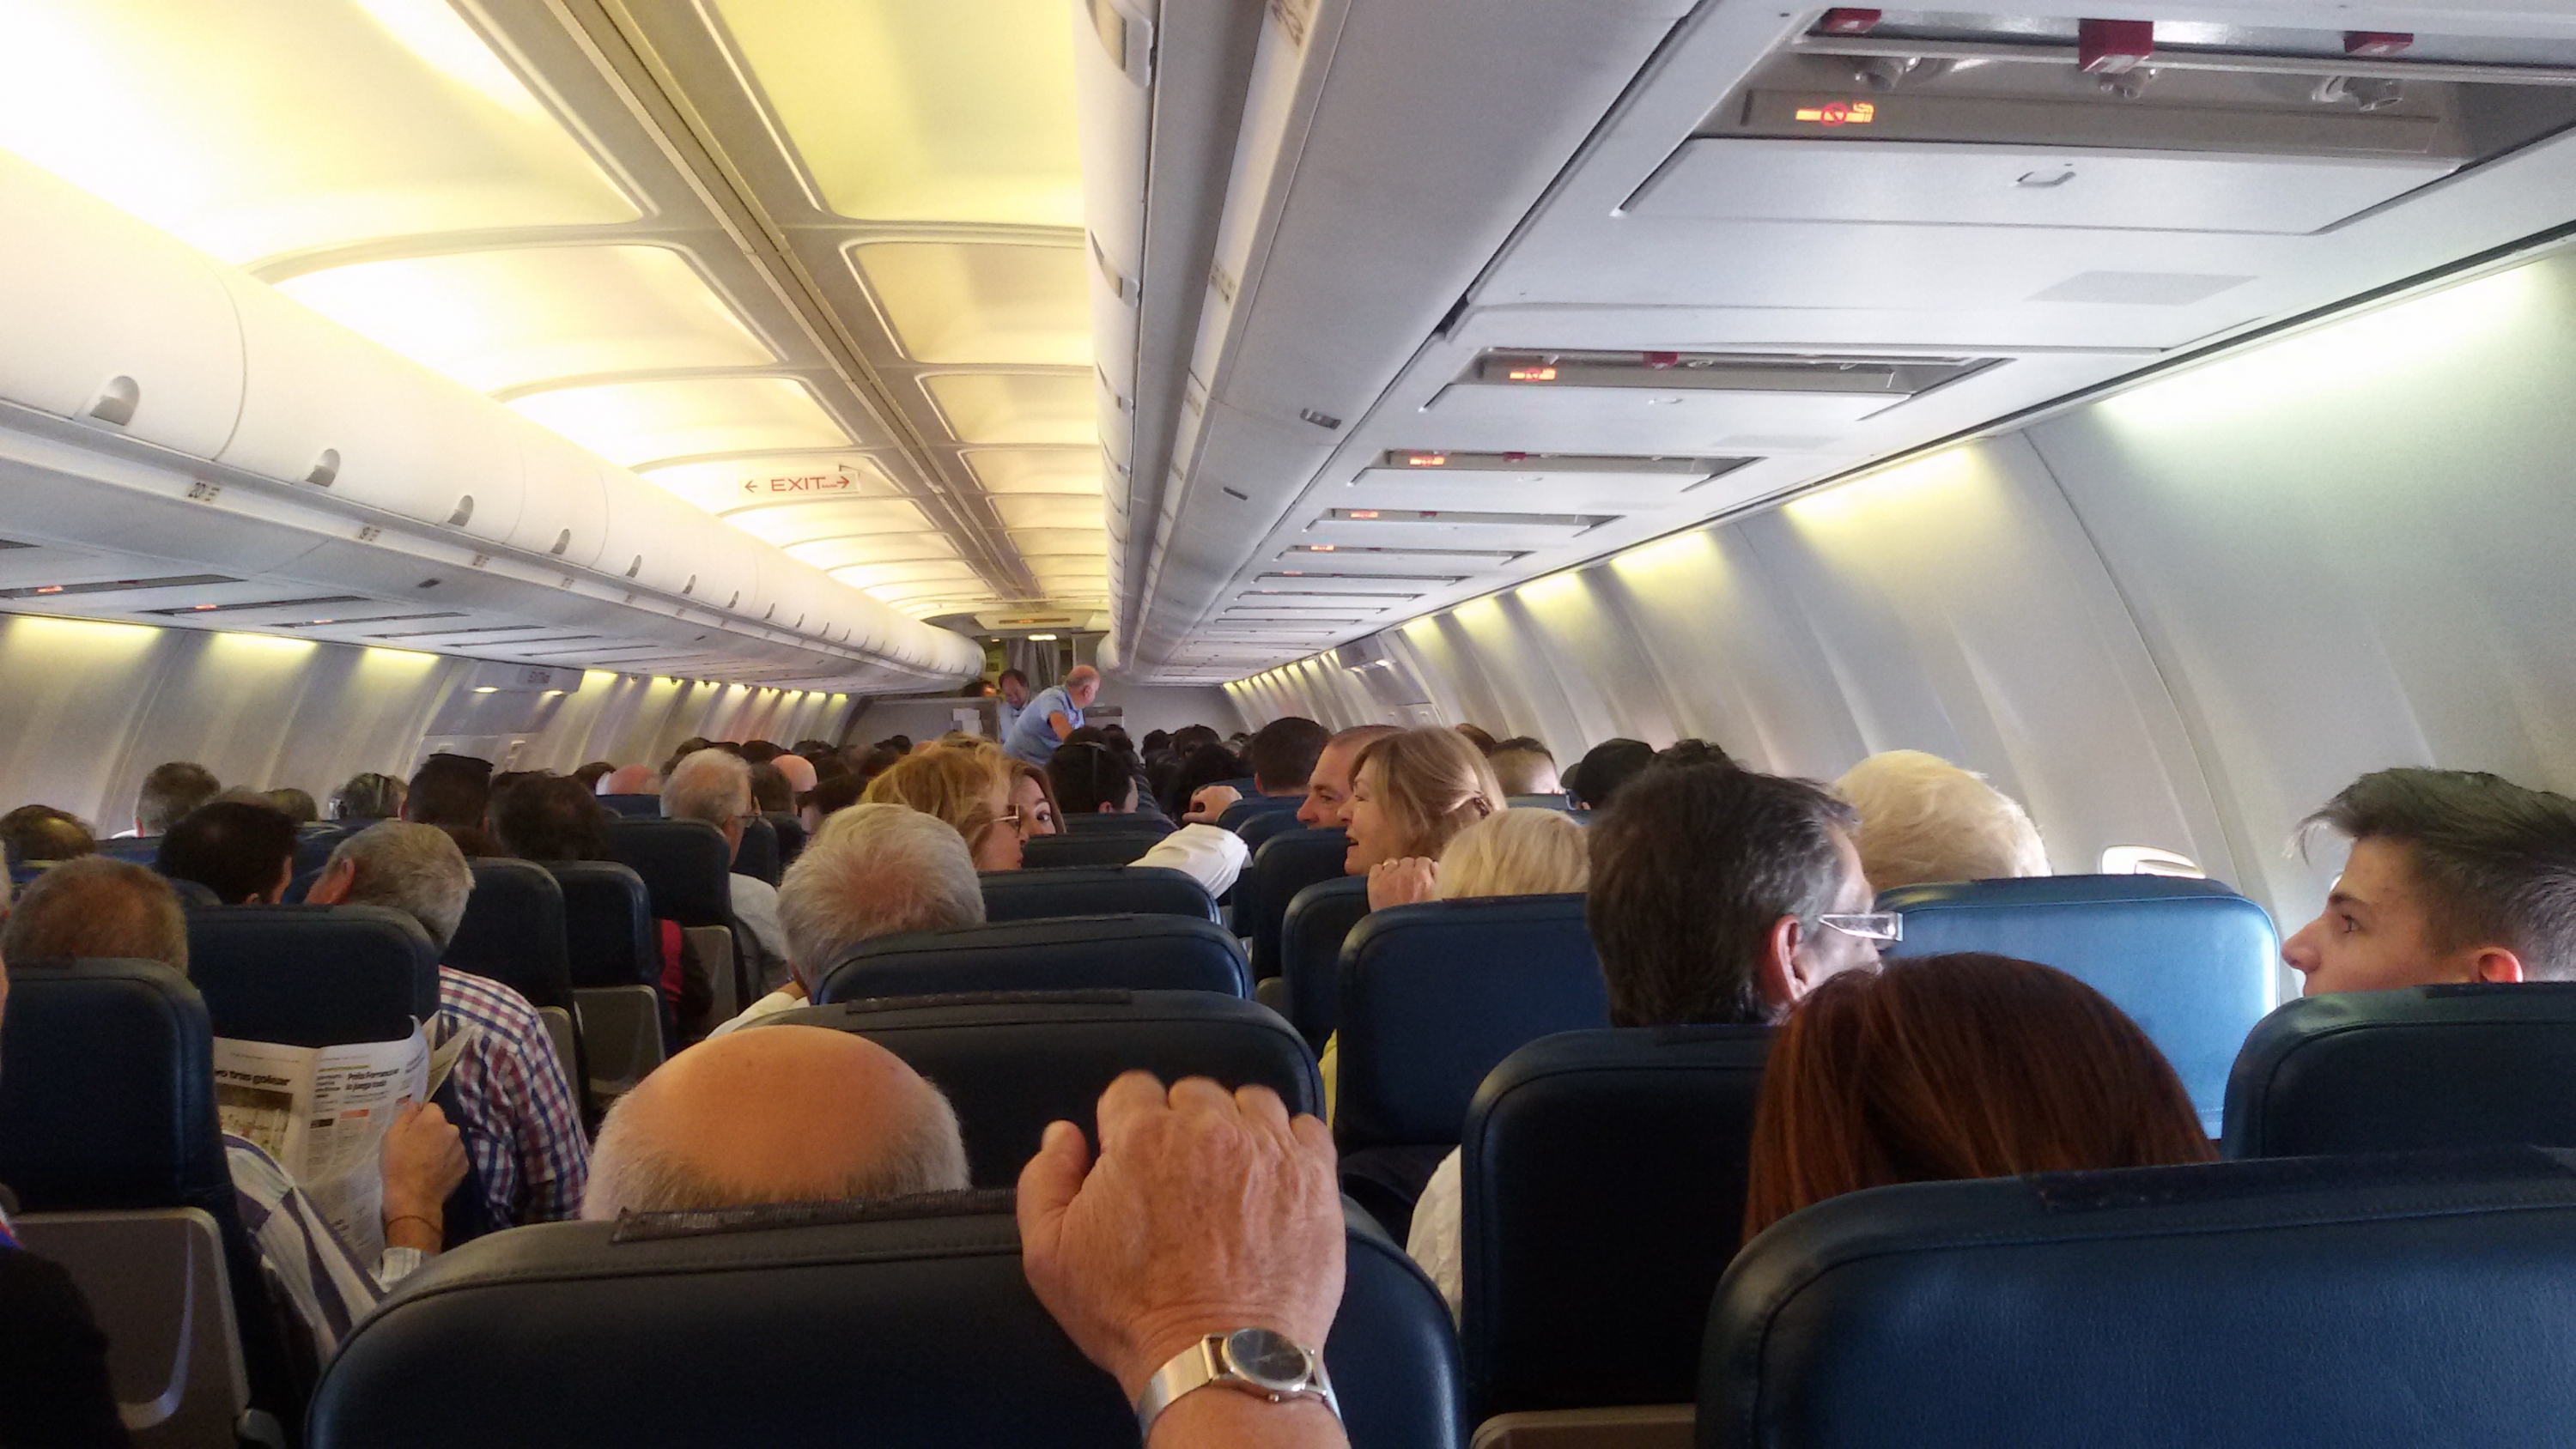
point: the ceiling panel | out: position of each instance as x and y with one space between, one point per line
876 548
870 576
732 483
1036 470
986 304
1084 542
504 319
786 523
1049 511
637 422
1016 408
258 130
899 110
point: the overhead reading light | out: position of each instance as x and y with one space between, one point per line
1723 371
175 581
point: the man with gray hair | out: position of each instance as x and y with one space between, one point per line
783 1114
714 786
513 1103
872 870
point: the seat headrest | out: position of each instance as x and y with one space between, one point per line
1013 1063
609 937
1318 920
1434 996
108 1097
1282 865
1604 1176
312 976
633 807
1067 953
894 1332
1096 848
2191 961
513 932
2417 1067
760 856
1028 895
1260 827
685 865
1251 807
2364 1302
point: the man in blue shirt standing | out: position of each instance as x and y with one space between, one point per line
1055 712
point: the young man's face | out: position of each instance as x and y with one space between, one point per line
2375 936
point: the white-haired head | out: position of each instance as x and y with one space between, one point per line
1924 819
874 870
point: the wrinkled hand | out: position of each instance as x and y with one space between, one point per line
1206 1211
1209 802
424 1160
1403 882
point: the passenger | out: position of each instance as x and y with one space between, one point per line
873 870
1481 739
1596 778
97 907
1204 1211
827 798
1095 779
2454 876
1411 793
521 1121
551 818
969 789
41 834
1524 767
1328 789
1032 799
171 793
295 804
1692 752
630 780
1014 691
783 1114
877 761
244 853
1115 740
368 797
1055 712
1947 1067
800 776
715 787
770 792
1208 765
1923 819
591 774
1717 896
760 752
454 793
1282 759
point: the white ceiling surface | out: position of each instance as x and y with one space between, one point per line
1412 235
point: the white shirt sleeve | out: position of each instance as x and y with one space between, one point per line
1433 1242
755 904
1204 853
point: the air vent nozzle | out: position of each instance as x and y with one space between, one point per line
117 399
326 468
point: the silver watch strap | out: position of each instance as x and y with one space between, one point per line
1204 1363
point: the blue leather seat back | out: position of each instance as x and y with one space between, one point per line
142 850
2417 1067
1253 807
1434 996
108 1097
1011 1064
2193 963
1283 865
609 936
314 844
1311 932
685 865
902 1332
643 807
1115 823
2367 1303
1091 890
1072 953
514 932
312 975
1558 802
1604 1193
1260 826
1099 848
791 836
760 857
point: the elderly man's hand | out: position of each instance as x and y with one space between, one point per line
1206 1212
424 1160
1209 803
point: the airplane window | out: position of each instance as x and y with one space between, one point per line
2147 860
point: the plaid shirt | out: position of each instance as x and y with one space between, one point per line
324 1282
519 1121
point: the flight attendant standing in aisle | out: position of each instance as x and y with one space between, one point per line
1053 713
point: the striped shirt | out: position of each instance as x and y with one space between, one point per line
323 1281
515 1109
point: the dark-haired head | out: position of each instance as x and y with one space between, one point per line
241 851
1595 779
550 817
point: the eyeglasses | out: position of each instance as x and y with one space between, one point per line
1870 926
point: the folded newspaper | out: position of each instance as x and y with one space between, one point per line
322 1113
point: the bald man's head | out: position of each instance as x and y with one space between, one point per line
774 1114
629 780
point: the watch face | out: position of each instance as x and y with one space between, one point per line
1269 1359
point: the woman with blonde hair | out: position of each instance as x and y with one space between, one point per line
969 789
1412 792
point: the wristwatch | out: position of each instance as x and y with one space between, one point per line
1251 1360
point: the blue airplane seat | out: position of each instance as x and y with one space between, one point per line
760 856
1012 1063
684 863
314 843
1099 848
609 935
901 1325
312 976
1113 822
1029 895
1603 1175
1138 952
2363 1302
1257 806
632 807
1282 865
2191 961
1318 920
141 849
1432 998
2413 1068
514 932
791 835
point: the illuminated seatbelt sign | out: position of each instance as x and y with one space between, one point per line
1839 113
